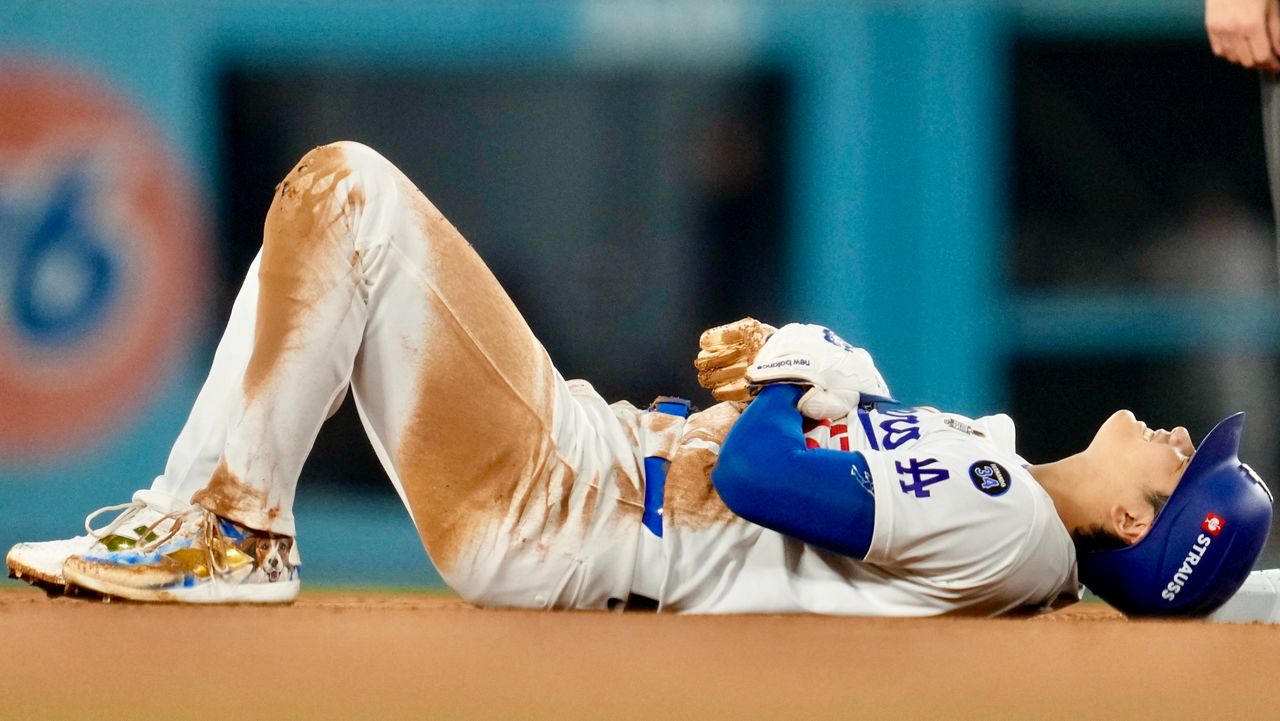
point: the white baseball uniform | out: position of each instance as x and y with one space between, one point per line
527 489
960 526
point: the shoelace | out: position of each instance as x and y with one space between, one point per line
128 510
211 532
210 536
179 518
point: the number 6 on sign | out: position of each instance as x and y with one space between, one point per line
922 476
65 275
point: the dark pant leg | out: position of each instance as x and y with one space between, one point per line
1271 140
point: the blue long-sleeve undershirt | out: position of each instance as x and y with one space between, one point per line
766 475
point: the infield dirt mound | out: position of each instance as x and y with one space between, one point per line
374 656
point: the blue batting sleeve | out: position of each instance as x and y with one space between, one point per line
766 475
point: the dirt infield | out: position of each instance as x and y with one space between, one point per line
373 656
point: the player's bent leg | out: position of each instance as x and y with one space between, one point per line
236 544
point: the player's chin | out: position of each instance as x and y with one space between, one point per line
1181 438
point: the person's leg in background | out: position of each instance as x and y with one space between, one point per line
1271 141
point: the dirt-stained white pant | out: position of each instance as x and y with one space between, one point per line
526 489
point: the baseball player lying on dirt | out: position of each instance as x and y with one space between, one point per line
531 491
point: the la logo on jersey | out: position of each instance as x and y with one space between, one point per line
102 261
990 477
1213 524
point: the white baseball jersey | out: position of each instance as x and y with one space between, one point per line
960 526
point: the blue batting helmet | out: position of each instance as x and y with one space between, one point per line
1200 547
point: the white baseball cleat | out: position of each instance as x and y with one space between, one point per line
202 558
40 563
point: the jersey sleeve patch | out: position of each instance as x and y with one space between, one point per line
990 477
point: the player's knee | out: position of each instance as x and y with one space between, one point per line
319 202
359 157
347 159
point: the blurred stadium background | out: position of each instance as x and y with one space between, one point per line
1049 207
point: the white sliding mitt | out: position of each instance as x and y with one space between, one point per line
840 375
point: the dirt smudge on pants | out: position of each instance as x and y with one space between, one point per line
691 500
477 456
308 231
230 497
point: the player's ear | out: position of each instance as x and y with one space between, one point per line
1125 525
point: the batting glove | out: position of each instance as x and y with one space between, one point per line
840 376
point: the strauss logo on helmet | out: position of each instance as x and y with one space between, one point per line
1213 524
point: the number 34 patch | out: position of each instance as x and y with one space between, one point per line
990 477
